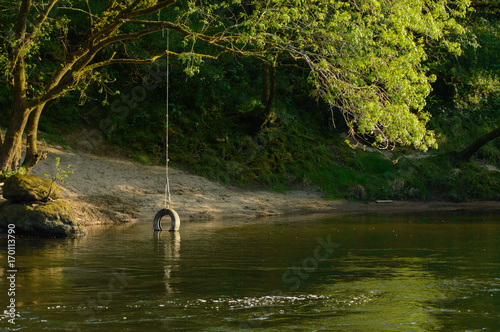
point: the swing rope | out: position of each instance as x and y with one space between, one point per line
168 196
176 222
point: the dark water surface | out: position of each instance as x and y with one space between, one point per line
434 272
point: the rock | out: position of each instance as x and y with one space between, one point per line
358 191
40 220
29 188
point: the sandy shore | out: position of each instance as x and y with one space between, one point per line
106 189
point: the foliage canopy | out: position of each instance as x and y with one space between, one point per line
366 58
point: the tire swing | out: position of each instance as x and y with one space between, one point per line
176 221
174 217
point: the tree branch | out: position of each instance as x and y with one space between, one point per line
42 18
125 15
112 61
122 37
20 33
69 81
86 52
467 153
90 13
185 32
111 4
39 23
153 9
171 26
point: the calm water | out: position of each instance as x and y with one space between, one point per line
356 273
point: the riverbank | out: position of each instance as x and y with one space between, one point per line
113 188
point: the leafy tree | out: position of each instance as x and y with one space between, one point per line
80 59
468 91
366 57
467 153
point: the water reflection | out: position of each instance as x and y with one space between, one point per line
168 248
412 273
168 244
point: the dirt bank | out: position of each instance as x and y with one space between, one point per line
106 189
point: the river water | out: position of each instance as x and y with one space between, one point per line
424 272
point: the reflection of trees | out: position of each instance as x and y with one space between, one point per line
385 274
40 264
384 290
423 274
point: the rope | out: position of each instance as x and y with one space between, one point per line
168 196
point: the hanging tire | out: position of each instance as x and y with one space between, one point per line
175 220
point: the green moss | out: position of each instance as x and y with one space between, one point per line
29 188
44 220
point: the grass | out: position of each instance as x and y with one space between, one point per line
56 139
143 158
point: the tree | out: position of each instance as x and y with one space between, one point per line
118 22
469 85
365 57
467 153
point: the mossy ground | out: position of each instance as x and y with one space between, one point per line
52 219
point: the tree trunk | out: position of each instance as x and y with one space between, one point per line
269 90
10 152
32 154
467 153
265 83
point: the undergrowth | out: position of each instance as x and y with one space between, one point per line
292 154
